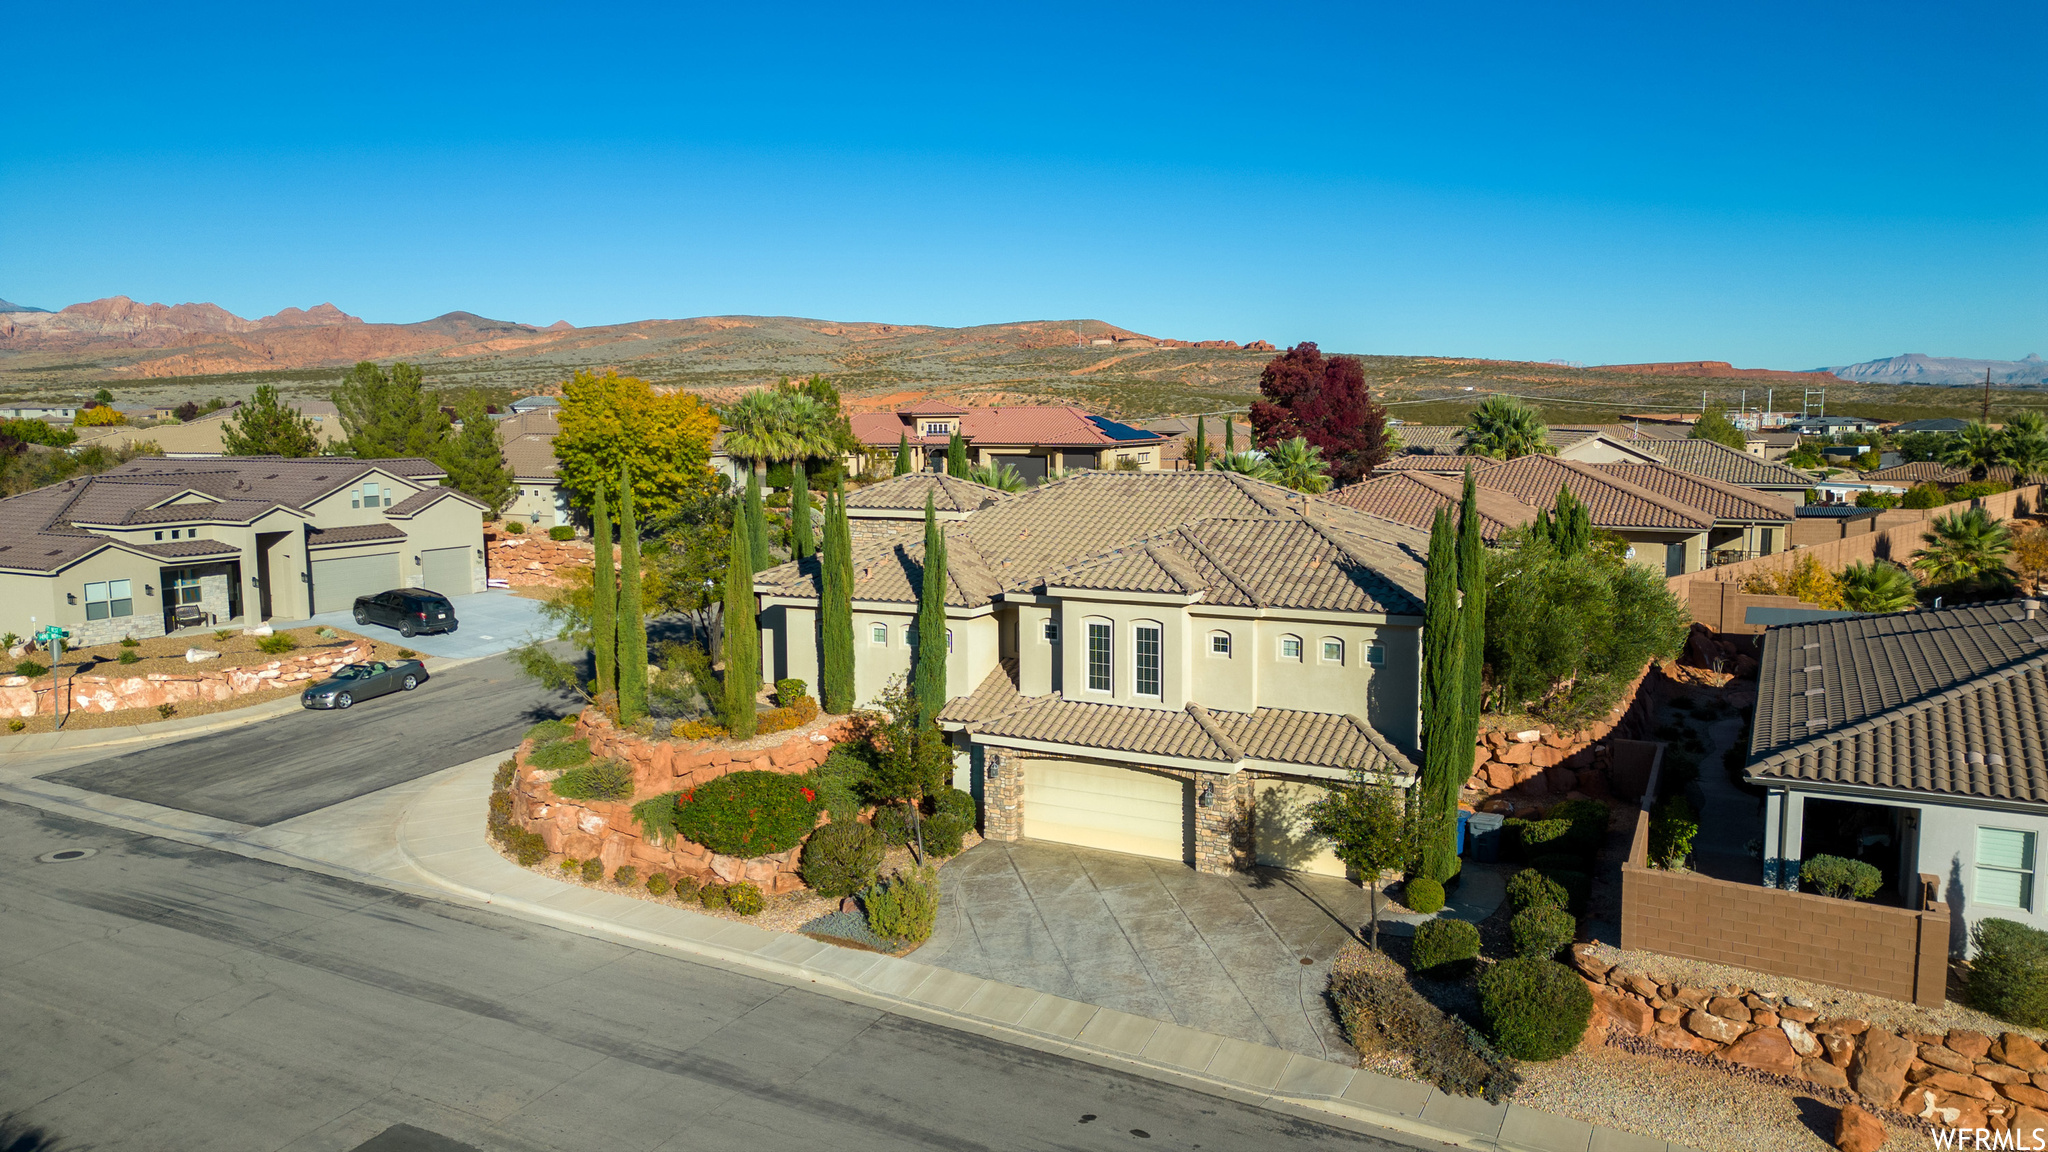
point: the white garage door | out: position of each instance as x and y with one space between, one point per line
337 582
1098 806
446 570
1282 837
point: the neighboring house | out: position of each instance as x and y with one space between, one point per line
1036 441
1934 472
1834 425
1712 460
1913 742
528 442
535 404
1147 662
232 540
893 510
201 436
50 412
1413 497
1747 523
1180 437
1663 534
1940 424
1427 447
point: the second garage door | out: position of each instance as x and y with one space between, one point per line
337 582
446 570
1281 831
1101 806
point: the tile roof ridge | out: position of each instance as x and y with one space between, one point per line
1230 748
1680 508
1387 747
1262 493
1244 587
967 567
1177 569
1726 488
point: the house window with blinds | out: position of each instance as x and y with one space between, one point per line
2005 868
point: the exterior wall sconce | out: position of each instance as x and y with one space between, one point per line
415 560
990 772
1208 798
148 591
71 597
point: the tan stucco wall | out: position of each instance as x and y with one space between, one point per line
333 511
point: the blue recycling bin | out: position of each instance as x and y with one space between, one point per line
1463 816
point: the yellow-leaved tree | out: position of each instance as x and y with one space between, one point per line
1806 579
666 439
100 416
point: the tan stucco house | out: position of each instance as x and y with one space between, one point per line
156 543
1035 440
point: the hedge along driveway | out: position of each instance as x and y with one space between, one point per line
1220 954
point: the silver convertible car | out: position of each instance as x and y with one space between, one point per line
353 682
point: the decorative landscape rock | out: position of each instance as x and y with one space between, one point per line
1858 1131
1766 1050
1878 1072
21 696
199 655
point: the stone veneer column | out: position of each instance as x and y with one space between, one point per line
1223 828
1002 794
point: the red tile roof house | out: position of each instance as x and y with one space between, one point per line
1036 441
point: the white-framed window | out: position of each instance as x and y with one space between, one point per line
1333 650
949 640
1376 655
1050 633
1098 656
366 495
108 598
1145 647
910 635
878 635
1290 648
1144 457
938 428
2005 868
1219 644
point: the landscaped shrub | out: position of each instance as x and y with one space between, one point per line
842 858
30 669
945 834
626 876
1444 948
562 532
1534 837
548 730
893 822
1530 888
277 643
2009 977
1380 1012
656 817
499 811
506 770
128 656
905 906
838 797
604 780
658 884
592 870
17 724
1536 1009
748 813
712 895
684 888
1578 887
699 730
166 710
1672 828
559 754
799 712
954 802
744 899
571 864
514 528
1542 931
1423 894
528 848
130 642
1841 878
848 928
787 691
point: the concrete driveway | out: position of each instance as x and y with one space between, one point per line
492 622
1245 956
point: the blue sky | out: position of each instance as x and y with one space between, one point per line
1779 185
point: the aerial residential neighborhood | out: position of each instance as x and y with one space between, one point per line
1324 577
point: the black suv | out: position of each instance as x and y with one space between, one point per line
410 610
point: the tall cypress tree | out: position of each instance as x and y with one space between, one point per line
757 526
928 678
956 456
1229 435
632 618
799 512
1446 757
902 453
742 633
1201 452
604 598
1472 584
835 610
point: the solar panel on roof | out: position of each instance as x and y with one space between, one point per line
1119 431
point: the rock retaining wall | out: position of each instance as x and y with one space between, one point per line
1541 764
587 829
533 559
1959 1079
23 697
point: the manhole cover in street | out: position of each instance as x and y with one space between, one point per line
66 855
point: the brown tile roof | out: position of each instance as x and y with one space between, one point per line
426 498
1412 498
1315 739
176 549
1719 499
1052 425
1432 462
1949 702
906 493
1932 472
1716 461
530 456
352 534
1019 543
1611 501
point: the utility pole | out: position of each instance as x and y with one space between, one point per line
1987 396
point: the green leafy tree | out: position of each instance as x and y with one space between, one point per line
473 459
604 605
1298 465
902 453
1371 829
1199 454
103 396
1967 547
773 425
632 616
685 569
800 542
1446 759
835 609
1979 447
266 426
611 419
389 415
1566 525
742 634
1714 425
913 759
930 671
956 455
1504 428
757 526
1922 497
1878 586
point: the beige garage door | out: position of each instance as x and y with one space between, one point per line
446 570
1280 822
1098 806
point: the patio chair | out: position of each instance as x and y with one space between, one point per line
188 616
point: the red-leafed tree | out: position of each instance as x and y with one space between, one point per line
1325 400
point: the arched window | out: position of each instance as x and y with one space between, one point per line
1332 650
1219 644
1098 632
1376 655
1145 645
878 634
1290 648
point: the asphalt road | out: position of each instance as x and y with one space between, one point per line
160 996
299 763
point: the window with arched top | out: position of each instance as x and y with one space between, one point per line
1219 644
1376 655
1098 632
878 634
1332 650
1290 648
1146 642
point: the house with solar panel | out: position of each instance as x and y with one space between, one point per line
1038 441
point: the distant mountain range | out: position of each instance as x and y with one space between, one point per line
1918 368
6 307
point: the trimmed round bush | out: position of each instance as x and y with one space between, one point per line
904 906
684 888
1535 1009
562 532
744 899
1423 895
1530 888
712 895
2009 977
627 876
1444 949
557 754
954 802
658 884
1536 837
514 528
748 813
592 870
842 858
893 822
945 833
1841 878
1542 931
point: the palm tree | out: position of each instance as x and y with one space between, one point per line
1297 464
1978 448
1504 428
1878 587
2026 445
770 426
1252 464
1965 547
1002 477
